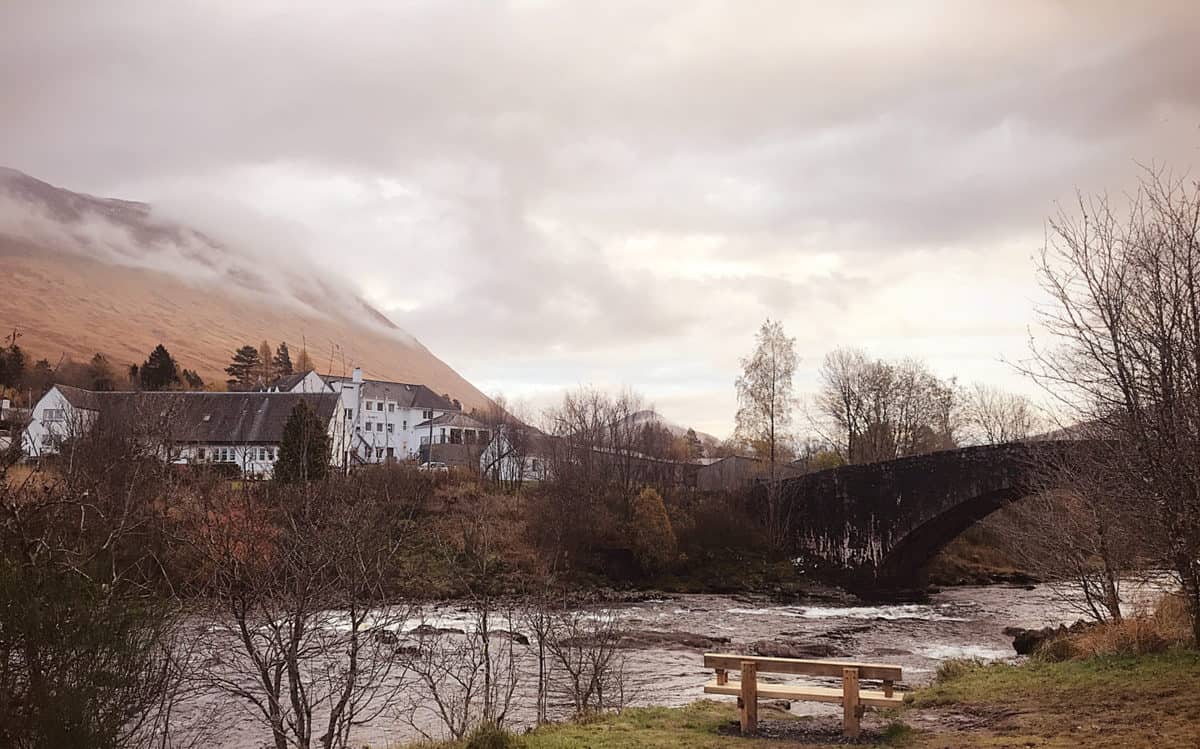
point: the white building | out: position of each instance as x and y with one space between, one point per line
384 421
241 429
514 455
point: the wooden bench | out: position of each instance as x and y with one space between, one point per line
852 699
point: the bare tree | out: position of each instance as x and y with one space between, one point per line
993 416
588 663
877 410
464 679
765 404
1124 319
89 629
300 633
1080 530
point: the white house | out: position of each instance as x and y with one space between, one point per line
513 456
242 429
382 418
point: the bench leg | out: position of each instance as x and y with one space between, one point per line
722 676
749 697
850 707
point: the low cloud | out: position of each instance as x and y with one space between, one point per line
551 193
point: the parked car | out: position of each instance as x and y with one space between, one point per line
435 466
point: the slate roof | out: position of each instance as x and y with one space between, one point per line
456 420
286 382
404 394
206 418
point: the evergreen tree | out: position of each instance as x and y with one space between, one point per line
695 448
245 368
101 373
159 371
304 450
283 360
12 366
192 380
304 362
266 359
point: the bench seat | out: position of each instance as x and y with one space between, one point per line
811 694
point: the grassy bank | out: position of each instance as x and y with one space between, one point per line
1132 702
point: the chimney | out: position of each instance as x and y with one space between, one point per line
357 374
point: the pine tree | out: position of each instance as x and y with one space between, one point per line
283 360
192 380
266 359
12 366
303 362
159 371
304 449
101 373
245 369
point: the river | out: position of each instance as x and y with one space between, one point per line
963 622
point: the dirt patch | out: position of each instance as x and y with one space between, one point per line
813 731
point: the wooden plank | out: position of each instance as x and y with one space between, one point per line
850 726
722 676
749 698
832 695
833 669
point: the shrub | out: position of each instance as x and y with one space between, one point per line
957 668
492 736
651 534
1173 619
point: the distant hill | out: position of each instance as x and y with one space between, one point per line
81 274
648 416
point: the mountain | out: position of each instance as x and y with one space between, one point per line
648 416
81 274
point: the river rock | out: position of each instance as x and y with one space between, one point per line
423 630
649 638
795 649
516 637
1029 641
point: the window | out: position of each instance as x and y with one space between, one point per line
349 414
390 429
379 426
367 405
379 452
427 414
391 407
405 427
200 453
53 414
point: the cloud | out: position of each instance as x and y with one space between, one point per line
550 193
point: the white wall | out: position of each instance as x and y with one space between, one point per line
53 420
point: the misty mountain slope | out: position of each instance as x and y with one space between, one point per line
80 274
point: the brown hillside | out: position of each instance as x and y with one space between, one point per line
80 275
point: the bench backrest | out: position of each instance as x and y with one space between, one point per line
731 662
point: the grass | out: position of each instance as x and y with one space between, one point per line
1130 702
697 726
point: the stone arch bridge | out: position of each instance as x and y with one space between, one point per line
875 526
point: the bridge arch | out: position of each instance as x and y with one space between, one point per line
877 525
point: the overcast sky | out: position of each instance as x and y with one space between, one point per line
549 194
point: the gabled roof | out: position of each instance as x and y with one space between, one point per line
287 382
207 418
453 419
405 395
